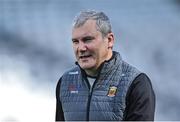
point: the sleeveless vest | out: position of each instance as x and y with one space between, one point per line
106 101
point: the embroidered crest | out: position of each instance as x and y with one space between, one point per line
112 91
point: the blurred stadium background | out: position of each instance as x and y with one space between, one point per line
35 49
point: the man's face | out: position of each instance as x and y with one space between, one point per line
90 48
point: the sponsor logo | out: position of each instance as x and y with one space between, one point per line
73 89
73 73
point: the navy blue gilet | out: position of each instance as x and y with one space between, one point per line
107 101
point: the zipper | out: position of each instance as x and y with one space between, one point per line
89 97
90 89
88 106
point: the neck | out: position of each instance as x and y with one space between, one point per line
92 73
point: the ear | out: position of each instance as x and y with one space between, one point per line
110 38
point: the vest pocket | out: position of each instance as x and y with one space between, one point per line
74 102
100 101
102 96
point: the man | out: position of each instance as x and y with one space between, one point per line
102 86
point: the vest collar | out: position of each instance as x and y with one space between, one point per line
106 66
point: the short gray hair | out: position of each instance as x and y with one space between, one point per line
102 21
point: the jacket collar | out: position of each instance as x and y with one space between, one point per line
107 66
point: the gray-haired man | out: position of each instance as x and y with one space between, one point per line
102 86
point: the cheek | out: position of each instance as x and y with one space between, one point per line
102 52
75 49
75 53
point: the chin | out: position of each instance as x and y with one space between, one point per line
86 67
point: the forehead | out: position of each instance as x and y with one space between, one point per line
87 29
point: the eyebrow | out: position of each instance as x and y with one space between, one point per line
88 37
84 38
74 39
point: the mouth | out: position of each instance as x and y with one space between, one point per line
84 56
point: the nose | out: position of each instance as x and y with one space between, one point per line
82 46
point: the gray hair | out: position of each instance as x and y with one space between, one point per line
102 21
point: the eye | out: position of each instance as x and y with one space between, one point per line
88 39
75 41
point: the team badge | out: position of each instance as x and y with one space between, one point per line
112 91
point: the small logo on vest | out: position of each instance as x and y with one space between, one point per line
112 91
73 89
73 73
